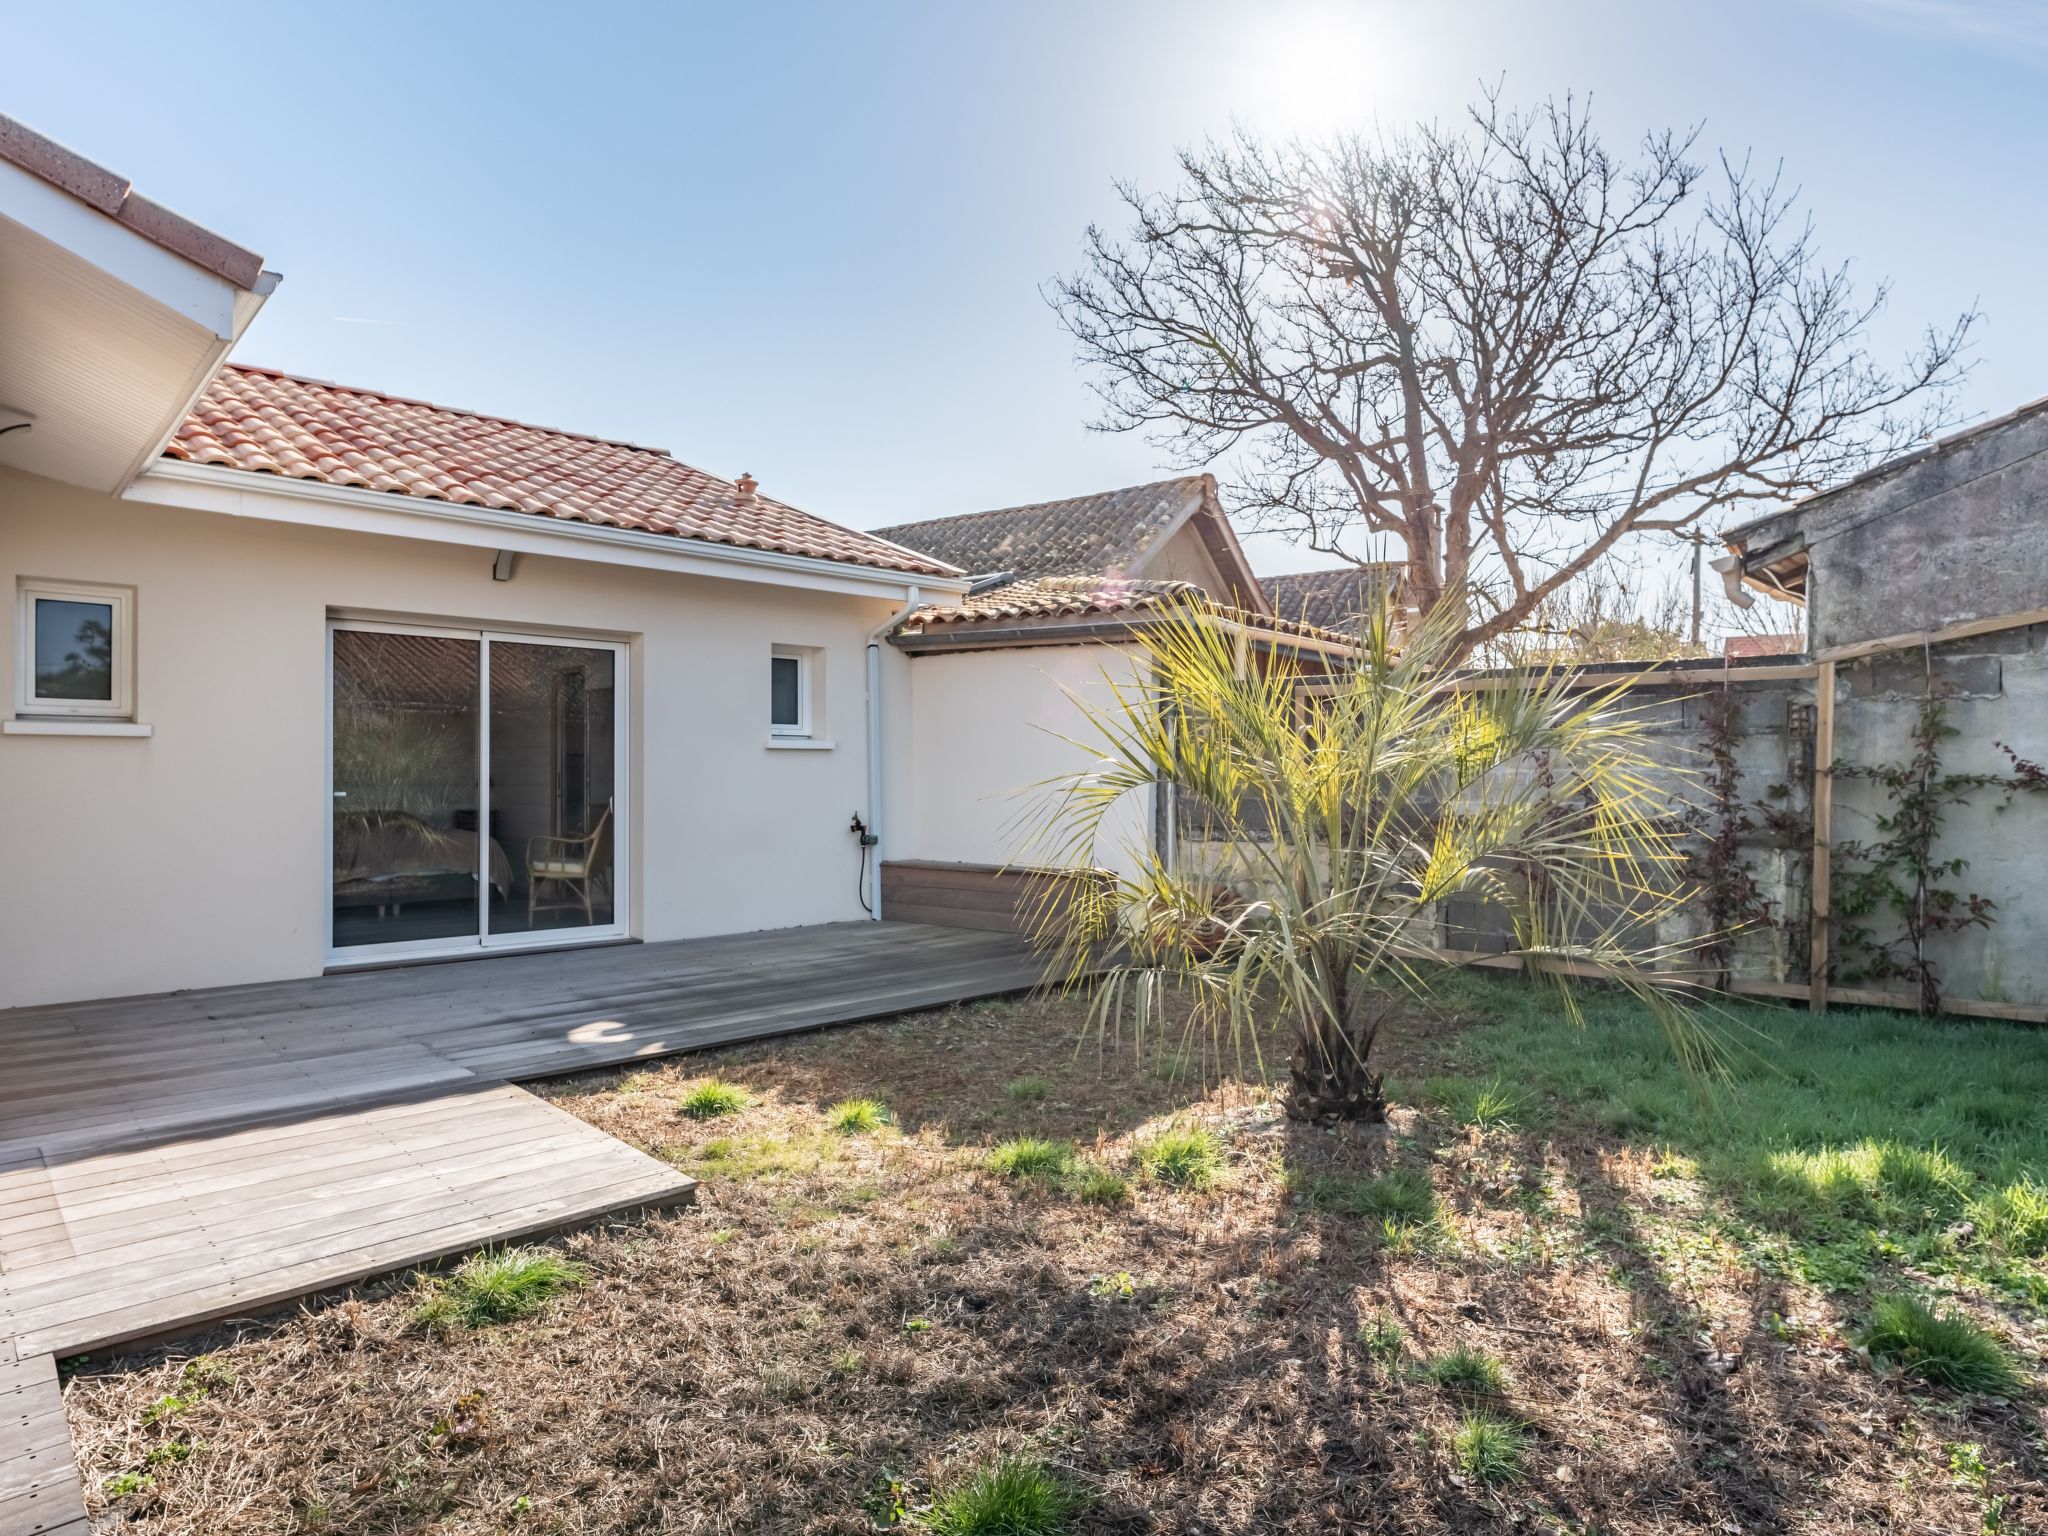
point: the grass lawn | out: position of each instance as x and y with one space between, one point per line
966 1272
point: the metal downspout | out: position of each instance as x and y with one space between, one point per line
912 601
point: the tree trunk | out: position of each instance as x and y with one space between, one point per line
1330 1078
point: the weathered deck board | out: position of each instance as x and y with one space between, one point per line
38 1483
169 1161
155 1243
185 1060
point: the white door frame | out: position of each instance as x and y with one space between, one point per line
483 941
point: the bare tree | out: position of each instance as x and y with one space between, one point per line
1503 348
1606 613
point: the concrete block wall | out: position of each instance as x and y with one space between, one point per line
1995 693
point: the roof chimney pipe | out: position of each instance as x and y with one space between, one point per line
746 485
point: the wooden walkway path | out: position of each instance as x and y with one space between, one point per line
167 1161
38 1482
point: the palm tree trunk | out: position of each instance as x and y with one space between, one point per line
1330 1078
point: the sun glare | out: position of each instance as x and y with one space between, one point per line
1314 69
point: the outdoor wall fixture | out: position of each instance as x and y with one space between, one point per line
501 568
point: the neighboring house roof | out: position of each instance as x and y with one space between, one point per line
1746 647
267 422
115 196
1104 534
1333 599
1072 607
1770 522
1044 597
1770 552
1107 534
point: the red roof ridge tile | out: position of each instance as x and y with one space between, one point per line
115 196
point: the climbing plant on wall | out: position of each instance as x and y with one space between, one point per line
1732 899
1893 893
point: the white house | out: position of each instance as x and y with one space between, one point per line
306 676
1063 594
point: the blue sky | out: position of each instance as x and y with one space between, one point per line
810 241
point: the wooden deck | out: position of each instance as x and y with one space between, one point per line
171 1160
38 1482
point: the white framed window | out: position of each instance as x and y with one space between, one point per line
789 691
75 649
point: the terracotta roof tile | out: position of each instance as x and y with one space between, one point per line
1105 533
1332 599
1037 599
305 429
1051 597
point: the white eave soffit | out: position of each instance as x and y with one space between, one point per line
166 279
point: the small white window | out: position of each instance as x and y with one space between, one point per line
789 691
75 645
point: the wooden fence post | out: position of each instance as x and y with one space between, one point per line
1823 815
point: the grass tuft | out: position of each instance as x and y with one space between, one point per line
1466 1370
1942 1349
1032 1157
1869 1180
1015 1497
1027 1090
1186 1157
712 1098
2014 1218
856 1117
496 1287
1382 1339
1490 1105
1097 1185
1490 1448
170 1405
1403 1194
208 1373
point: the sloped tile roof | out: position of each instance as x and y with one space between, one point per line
1103 534
274 423
1039 599
1332 599
1052 597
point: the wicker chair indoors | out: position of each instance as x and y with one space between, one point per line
574 863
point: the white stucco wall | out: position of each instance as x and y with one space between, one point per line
197 856
986 727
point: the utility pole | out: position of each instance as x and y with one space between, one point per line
1698 541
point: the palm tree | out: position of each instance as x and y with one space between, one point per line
1338 817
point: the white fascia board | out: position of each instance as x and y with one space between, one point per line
129 258
316 504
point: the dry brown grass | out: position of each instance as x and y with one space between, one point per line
838 1310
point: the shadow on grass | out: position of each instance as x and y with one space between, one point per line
980 1072
1846 1149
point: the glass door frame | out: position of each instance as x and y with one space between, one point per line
483 941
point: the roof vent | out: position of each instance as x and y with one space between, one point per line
746 485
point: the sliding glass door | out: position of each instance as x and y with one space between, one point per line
477 790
